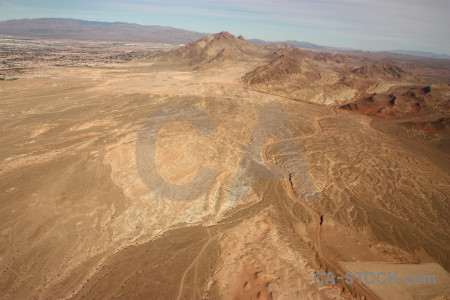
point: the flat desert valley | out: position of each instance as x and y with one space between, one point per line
359 145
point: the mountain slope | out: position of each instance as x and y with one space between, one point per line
278 69
380 70
215 50
90 30
353 83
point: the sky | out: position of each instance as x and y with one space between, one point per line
421 25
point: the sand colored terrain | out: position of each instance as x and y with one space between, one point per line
411 283
364 85
80 223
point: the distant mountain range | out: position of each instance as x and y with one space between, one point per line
54 28
422 53
100 31
307 45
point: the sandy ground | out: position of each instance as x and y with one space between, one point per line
79 222
410 277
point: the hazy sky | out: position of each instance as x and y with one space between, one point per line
361 24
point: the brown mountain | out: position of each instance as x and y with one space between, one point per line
380 70
354 83
277 69
217 49
100 31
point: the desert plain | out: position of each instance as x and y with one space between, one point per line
362 146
